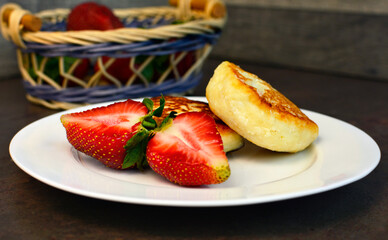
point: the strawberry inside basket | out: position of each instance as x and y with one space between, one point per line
90 54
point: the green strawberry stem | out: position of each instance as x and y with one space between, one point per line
136 139
166 122
149 123
136 146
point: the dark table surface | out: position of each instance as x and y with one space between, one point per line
30 209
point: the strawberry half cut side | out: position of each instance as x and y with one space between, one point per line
103 132
189 151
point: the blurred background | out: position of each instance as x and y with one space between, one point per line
341 37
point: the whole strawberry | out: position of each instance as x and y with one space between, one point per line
189 151
92 16
121 71
103 132
186 63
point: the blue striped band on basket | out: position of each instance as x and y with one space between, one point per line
110 93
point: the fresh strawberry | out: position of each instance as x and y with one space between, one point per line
188 151
81 71
121 71
92 16
186 63
103 132
51 69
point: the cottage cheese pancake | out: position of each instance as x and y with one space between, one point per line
257 111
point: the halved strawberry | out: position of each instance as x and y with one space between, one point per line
103 132
188 151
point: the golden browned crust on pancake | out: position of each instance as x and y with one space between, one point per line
230 138
257 111
271 99
182 105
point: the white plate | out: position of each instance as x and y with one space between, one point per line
340 155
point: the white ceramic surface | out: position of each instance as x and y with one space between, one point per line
340 155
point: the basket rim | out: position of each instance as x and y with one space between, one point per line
199 23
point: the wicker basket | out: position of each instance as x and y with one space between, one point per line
48 58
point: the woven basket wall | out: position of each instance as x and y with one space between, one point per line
163 49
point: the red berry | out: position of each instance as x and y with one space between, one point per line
102 132
118 69
92 16
186 63
189 151
81 71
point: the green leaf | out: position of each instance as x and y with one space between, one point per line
51 69
178 21
142 163
136 155
161 59
148 72
140 59
32 73
133 156
68 61
158 112
167 120
136 139
136 146
149 123
160 63
149 104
